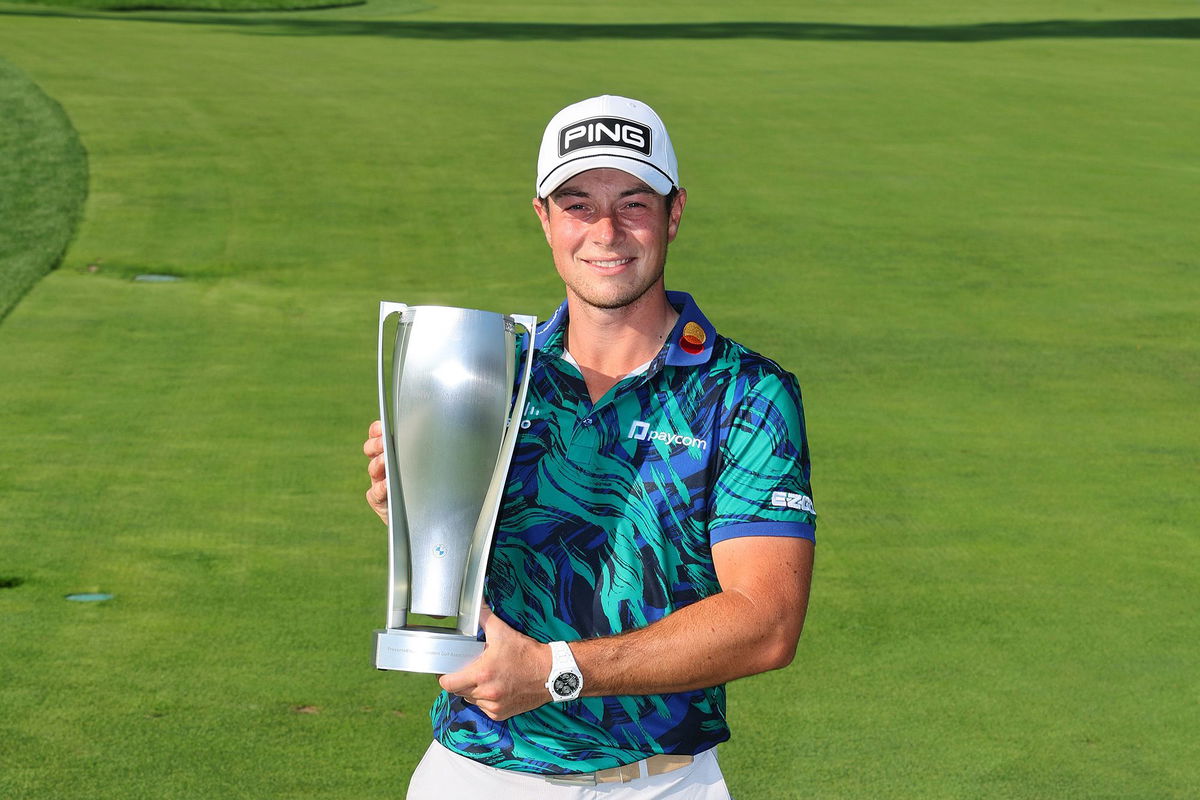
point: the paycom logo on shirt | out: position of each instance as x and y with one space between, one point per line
641 431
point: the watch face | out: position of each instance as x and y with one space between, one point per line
566 684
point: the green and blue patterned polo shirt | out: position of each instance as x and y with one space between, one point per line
607 525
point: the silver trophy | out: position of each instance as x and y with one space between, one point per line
450 423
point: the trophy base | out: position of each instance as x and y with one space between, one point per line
424 650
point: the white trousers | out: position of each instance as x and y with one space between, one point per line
445 775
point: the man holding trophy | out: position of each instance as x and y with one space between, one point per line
655 531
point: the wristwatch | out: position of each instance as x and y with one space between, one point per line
566 681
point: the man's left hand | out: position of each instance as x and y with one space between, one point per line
509 678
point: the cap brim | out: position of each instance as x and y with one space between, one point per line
655 178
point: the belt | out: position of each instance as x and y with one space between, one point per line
654 765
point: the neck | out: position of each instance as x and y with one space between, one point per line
608 344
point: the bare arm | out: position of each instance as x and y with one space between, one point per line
751 626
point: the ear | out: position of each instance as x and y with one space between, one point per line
676 214
543 215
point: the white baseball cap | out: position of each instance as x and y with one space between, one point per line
606 131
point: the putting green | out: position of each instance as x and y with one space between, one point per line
970 232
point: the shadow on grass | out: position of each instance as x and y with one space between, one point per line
295 25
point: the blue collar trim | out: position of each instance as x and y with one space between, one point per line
690 344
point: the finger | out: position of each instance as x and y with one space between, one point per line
376 468
459 683
492 710
373 446
377 494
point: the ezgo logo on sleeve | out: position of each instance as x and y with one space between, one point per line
800 502
641 431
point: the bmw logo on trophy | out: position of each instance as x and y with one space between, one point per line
451 411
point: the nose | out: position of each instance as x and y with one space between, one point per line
606 229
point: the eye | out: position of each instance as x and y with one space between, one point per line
636 208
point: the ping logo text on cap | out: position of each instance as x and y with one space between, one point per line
604 132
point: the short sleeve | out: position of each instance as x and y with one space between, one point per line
762 486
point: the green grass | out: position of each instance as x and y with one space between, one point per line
969 231
43 182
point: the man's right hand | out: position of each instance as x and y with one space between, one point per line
373 448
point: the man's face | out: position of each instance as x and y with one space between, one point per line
609 233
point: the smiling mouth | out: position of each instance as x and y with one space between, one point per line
609 263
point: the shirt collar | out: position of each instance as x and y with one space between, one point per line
690 343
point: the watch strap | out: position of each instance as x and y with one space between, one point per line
564 673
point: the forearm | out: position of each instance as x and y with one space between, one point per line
750 627
716 640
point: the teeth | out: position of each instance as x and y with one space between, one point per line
615 263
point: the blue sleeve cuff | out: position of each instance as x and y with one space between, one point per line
797 530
